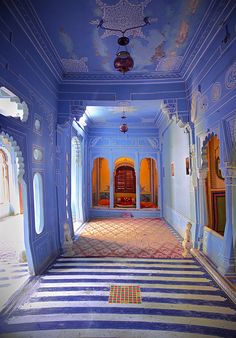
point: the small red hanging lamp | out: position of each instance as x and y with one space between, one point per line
123 127
123 61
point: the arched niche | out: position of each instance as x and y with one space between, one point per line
101 183
215 184
124 183
38 202
148 183
11 105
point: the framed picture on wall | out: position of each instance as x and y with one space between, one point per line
172 169
187 165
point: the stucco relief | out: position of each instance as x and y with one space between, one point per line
153 141
93 141
216 91
232 126
37 154
129 14
204 103
230 77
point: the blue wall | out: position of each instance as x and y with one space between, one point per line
23 71
178 192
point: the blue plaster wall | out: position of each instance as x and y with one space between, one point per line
178 194
23 71
214 67
65 132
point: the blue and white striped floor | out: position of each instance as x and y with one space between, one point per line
179 299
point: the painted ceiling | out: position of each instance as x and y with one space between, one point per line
71 25
138 113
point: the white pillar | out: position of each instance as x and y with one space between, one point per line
229 252
137 171
202 205
111 168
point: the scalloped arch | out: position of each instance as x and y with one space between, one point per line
204 148
20 159
12 105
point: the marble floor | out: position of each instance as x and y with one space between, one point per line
13 274
177 299
128 237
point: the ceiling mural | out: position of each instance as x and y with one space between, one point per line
141 113
83 46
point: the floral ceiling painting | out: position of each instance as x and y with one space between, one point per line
83 46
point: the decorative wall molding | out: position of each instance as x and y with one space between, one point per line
230 77
134 77
37 124
37 154
118 142
93 141
24 12
214 15
154 142
216 90
74 112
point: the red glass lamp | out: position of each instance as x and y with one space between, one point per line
123 127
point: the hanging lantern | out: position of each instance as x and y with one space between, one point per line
123 62
123 127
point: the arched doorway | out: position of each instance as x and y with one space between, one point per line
101 183
124 183
15 253
215 187
76 183
148 184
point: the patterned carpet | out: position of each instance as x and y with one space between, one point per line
128 237
179 300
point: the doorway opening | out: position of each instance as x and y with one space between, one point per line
148 184
215 188
101 183
14 255
125 183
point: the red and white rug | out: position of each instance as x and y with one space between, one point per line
128 237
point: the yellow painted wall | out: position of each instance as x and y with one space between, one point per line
94 182
145 186
213 183
104 175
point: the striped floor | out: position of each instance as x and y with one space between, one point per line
179 299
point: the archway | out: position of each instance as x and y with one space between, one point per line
14 233
124 183
101 183
148 184
215 186
11 105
